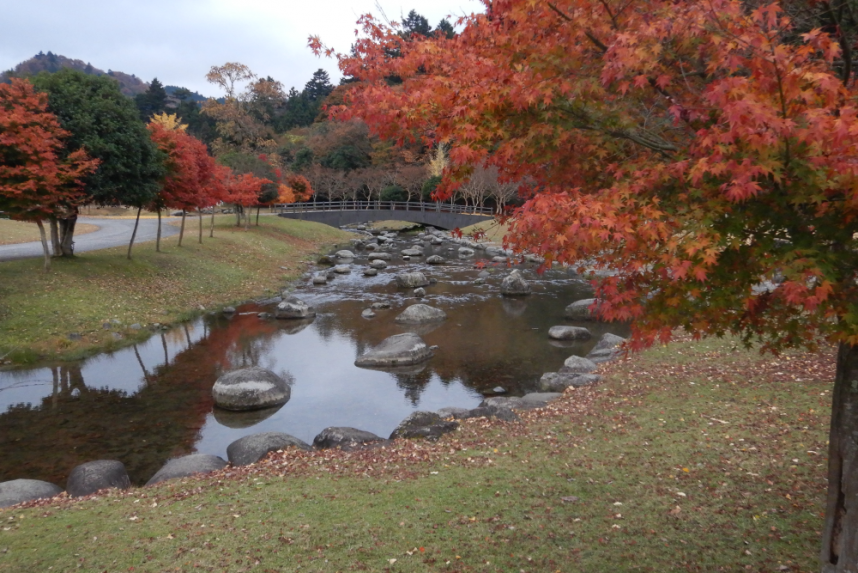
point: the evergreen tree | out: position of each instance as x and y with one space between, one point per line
414 23
319 86
152 101
445 28
106 124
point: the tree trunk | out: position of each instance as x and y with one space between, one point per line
158 236
182 230
55 237
840 530
211 229
67 235
200 221
257 215
134 232
44 245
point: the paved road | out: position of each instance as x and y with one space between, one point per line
111 233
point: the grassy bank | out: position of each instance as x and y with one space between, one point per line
693 457
61 313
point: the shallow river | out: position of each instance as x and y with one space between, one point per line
147 403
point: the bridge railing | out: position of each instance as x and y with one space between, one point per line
381 206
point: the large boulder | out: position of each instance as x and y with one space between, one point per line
559 381
251 388
421 314
424 425
345 255
92 476
412 252
514 285
342 269
295 308
378 264
569 333
411 280
382 256
21 490
580 310
251 449
188 466
607 348
370 272
344 438
577 365
398 350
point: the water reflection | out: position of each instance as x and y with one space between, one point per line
152 401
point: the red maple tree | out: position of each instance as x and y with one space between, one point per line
704 152
35 181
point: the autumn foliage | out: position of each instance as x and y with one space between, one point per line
694 147
34 178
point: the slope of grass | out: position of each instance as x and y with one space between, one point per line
694 457
39 311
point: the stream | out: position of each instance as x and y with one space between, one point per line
152 401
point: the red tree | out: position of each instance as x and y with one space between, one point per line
34 182
705 152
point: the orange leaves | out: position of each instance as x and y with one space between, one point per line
35 180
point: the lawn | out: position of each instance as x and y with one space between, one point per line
693 457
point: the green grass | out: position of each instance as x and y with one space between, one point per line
694 457
38 310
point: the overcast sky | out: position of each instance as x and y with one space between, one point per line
177 41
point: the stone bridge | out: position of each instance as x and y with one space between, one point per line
337 214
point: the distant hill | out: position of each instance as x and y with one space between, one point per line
199 98
130 85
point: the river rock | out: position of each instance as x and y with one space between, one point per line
367 313
420 292
607 348
251 449
514 285
325 260
370 272
421 314
330 275
580 310
251 388
294 308
411 280
534 259
398 350
425 425
345 255
492 251
371 246
569 333
499 259
436 260
484 274
466 252
498 412
380 305
188 466
559 381
378 264
228 310
100 474
412 252
20 490
577 365
382 256
345 438
436 240
452 412
342 269
320 279
526 402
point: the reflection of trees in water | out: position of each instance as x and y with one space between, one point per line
413 381
77 423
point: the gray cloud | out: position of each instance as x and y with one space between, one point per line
178 41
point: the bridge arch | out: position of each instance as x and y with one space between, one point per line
340 213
